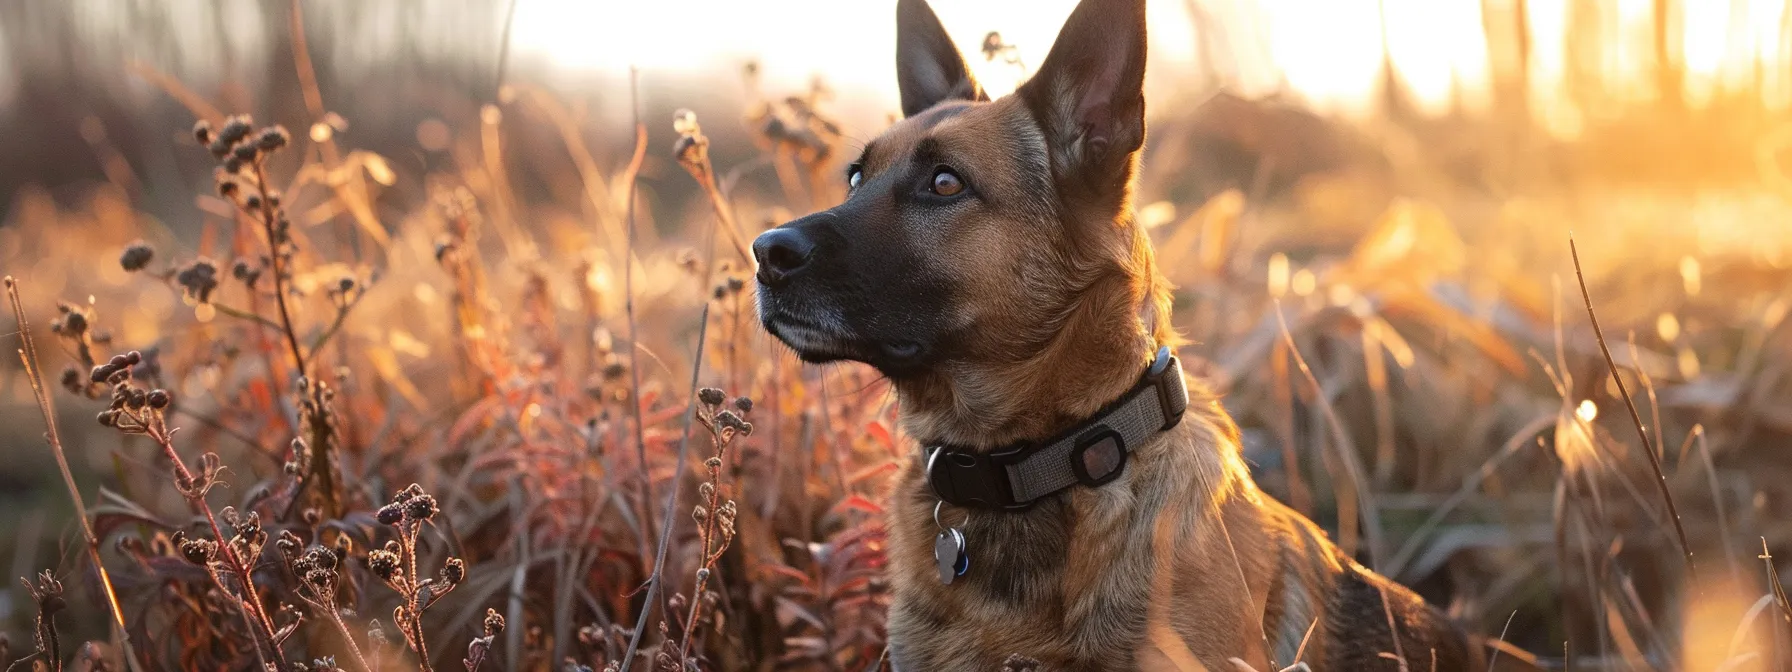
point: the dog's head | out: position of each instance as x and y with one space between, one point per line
972 229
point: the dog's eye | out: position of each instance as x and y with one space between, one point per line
947 183
854 174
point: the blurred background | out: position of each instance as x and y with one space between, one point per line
1397 179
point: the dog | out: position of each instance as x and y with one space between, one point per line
1075 499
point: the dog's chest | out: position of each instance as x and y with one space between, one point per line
1024 592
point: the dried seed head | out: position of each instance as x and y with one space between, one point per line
408 492
47 593
614 370
383 564
158 399
198 551
136 256
324 558
73 322
711 396
421 507
245 152
494 622
454 571
202 131
272 138
728 420
390 514
235 129
288 543
199 279
745 404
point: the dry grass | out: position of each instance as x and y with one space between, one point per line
531 353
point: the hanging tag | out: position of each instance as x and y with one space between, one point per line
950 555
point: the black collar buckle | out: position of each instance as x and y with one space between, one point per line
965 478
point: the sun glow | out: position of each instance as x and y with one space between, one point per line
1327 52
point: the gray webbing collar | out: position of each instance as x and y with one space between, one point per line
1091 453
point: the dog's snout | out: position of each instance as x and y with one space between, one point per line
782 253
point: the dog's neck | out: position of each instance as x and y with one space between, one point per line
1097 355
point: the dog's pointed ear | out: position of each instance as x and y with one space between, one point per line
1089 95
929 68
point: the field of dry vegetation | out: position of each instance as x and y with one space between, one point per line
489 387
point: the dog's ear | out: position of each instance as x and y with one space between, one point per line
929 69
1089 94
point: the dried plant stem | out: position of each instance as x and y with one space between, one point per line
705 174
250 601
353 648
1661 479
46 405
266 215
414 598
1394 631
321 441
245 315
714 539
628 302
684 443
1362 497
1777 591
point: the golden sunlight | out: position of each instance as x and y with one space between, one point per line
1329 53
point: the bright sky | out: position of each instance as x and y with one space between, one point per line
1325 51
1328 50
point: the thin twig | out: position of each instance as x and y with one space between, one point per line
46 404
245 315
628 301
1353 468
684 444
1661 479
336 324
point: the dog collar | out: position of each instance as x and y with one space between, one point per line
1091 453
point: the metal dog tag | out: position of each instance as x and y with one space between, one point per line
949 555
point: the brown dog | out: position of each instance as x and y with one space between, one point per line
986 261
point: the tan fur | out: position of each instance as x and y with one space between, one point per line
1033 300
1169 566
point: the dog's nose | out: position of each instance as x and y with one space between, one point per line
781 253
